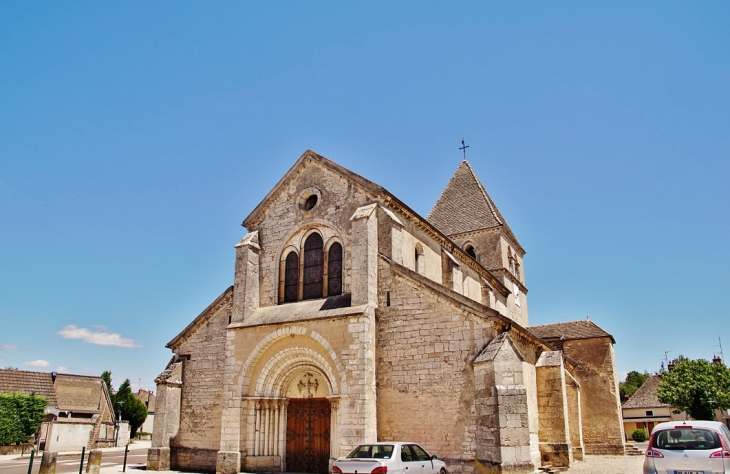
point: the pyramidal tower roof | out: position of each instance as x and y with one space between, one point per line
465 206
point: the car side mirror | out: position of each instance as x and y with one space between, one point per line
434 457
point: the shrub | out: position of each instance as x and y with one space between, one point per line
639 436
20 416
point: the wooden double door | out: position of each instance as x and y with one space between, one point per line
308 435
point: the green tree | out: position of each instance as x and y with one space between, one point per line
633 381
695 386
106 376
132 408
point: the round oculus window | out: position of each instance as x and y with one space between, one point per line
310 202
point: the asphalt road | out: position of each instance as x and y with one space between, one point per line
135 458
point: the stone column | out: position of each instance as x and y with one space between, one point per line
245 300
94 464
575 420
229 455
48 462
364 256
167 417
552 403
246 279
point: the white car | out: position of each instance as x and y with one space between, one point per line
688 447
389 458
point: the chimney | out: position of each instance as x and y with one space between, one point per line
716 359
670 365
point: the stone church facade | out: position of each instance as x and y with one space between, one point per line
352 319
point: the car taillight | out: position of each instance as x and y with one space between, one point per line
720 454
336 469
380 470
653 453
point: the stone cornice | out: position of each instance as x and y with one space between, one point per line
511 276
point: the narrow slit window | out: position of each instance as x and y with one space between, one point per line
291 277
334 270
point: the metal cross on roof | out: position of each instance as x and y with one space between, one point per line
464 146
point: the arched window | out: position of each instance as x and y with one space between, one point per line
313 267
334 270
419 263
291 277
470 250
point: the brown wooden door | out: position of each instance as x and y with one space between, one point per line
308 435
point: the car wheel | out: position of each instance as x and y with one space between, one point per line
442 471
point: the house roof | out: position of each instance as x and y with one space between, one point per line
73 393
27 382
645 396
584 329
80 393
465 206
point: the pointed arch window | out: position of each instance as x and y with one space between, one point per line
313 267
334 270
291 277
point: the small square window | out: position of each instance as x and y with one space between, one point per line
649 413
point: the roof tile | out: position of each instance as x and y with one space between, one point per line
465 206
584 329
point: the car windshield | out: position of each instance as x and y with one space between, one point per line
687 439
372 451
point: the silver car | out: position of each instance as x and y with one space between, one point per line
688 447
389 458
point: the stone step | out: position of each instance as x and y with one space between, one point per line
632 450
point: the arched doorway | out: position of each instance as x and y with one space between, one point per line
292 403
308 435
308 422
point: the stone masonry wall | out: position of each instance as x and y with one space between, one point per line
284 217
600 405
425 347
341 348
201 393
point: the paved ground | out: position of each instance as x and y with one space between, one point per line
112 460
608 465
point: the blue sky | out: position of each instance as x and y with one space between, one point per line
135 137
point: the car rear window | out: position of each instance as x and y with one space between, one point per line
372 451
687 439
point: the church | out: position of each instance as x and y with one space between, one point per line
351 319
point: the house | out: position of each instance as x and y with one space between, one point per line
79 412
148 398
352 319
642 411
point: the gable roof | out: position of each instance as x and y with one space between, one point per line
226 298
584 329
80 393
73 393
645 396
465 206
387 199
366 184
27 382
